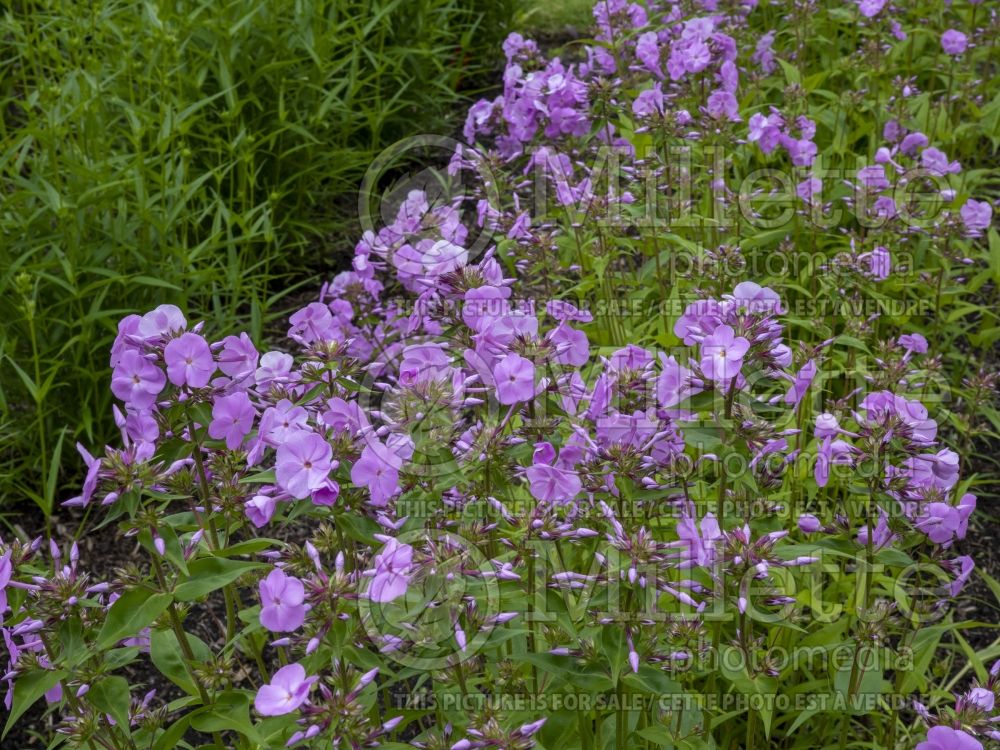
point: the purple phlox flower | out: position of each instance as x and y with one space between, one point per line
314 323
633 655
391 571
729 77
782 355
303 463
232 419
882 536
962 567
826 425
6 572
914 343
946 738
941 522
635 430
753 298
274 366
977 216
774 445
954 42
516 45
562 310
630 357
935 162
378 470
136 380
722 354
483 304
442 257
189 361
698 541
884 156
912 143
327 493
912 413
479 118
288 689
801 151
90 481
877 263
503 329
800 383
979 698
763 54
128 338
647 50
675 383
722 104
238 357
544 453
809 524
765 130
808 189
424 363
649 102
552 484
831 452
938 470
572 343
892 131
527 730
139 426
515 379
871 8
966 507
164 320
281 421
282 600
259 509
873 177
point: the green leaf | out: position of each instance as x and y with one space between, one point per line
166 655
209 574
71 643
658 734
53 477
110 695
171 738
131 612
231 711
171 546
152 281
248 547
615 651
792 74
651 680
29 688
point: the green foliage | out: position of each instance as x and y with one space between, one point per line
190 152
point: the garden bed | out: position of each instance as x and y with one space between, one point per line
658 409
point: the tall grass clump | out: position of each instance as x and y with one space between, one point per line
192 153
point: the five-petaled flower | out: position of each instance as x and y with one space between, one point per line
287 690
282 600
303 463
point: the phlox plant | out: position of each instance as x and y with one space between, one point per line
600 480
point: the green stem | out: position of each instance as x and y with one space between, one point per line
213 542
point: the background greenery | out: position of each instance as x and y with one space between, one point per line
202 153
